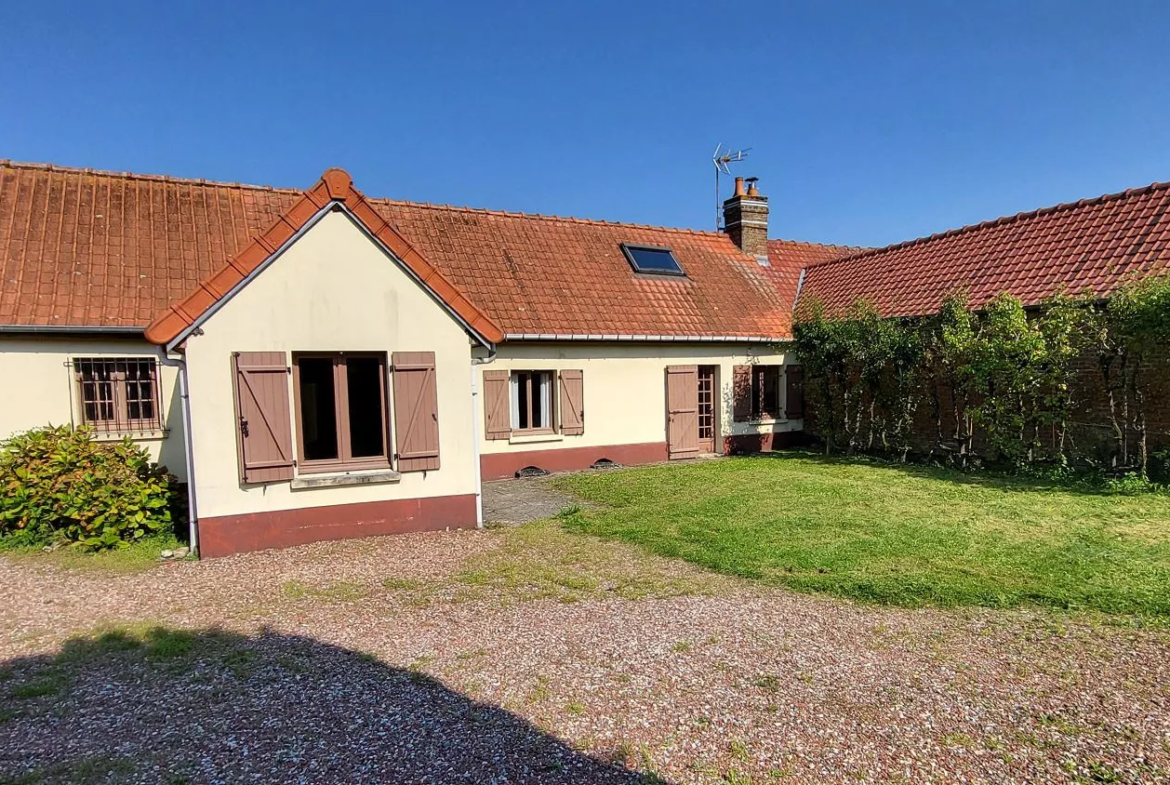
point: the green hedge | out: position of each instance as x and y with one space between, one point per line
1000 380
59 484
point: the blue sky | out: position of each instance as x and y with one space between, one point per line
869 122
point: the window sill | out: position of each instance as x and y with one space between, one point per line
345 478
534 438
766 420
335 467
137 436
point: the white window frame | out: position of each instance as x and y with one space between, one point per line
547 379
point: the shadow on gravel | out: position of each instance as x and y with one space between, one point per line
172 706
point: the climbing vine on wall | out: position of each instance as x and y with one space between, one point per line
1131 337
997 382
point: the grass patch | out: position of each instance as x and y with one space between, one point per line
908 536
134 558
155 643
403 584
768 683
164 644
471 655
240 663
342 591
540 691
46 685
542 561
118 646
87 771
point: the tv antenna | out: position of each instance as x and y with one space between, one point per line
723 159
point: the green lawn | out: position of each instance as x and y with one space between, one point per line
901 535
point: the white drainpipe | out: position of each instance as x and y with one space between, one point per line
475 428
188 454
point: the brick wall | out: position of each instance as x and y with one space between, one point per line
746 221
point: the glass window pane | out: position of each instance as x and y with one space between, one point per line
539 401
771 390
546 386
318 408
523 406
139 393
757 393
514 385
97 390
653 260
367 426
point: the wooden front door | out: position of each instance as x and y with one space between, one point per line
707 421
682 411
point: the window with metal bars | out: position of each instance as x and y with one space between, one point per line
118 395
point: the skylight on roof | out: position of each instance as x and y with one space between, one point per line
649 259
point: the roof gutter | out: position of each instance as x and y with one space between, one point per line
610 337
61 329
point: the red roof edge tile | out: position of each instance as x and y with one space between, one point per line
335 185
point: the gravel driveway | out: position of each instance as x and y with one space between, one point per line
523 500
529 655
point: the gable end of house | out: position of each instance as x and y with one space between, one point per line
334 191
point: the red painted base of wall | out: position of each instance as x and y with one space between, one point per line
228 534
505 464
745 445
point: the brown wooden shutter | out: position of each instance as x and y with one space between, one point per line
262 416
741 393
794 392
497 416
416 411
572 403
682 411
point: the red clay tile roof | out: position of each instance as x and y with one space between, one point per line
80 248
567 276
101 249
334 186
788 258
1089 246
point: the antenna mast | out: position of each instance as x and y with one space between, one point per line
723 160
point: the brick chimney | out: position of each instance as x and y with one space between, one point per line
745 219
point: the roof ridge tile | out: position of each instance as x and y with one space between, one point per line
156 178
811 244
126 175
539 216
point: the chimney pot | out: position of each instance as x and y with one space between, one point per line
752 189
739 186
